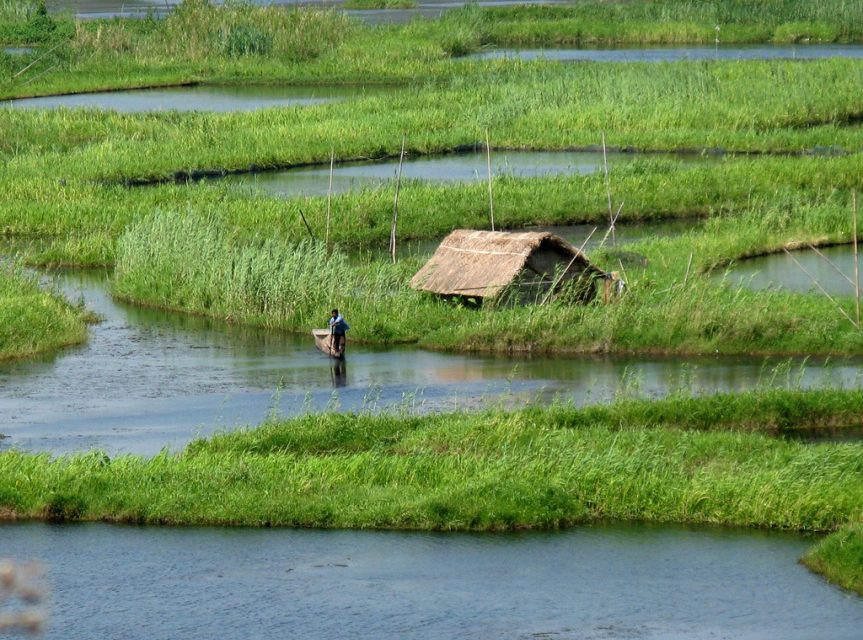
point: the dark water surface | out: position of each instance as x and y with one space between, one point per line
598 582
672 54
198 98
452 167
780 271
149 379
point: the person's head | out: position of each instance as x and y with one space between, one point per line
335 312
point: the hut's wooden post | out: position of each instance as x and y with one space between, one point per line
396 202
330 197
490 196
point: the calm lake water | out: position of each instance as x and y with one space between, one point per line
779 271
198 98
149 379
597 582
453 167
671 54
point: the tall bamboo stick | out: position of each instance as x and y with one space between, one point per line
608 189
330 197
822 289
856 263
490 196
396 202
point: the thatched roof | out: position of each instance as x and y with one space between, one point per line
481 263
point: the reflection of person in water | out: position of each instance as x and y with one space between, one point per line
338 327
339 372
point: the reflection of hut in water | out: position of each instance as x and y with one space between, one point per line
526 265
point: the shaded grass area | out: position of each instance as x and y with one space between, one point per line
34 321
199 265
839 558
494 470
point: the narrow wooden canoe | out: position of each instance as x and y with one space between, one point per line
323 341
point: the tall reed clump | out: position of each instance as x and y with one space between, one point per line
197 264
34 321
198 31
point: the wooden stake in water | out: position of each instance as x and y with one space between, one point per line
490 196
330 197
856 263
608 189
396 202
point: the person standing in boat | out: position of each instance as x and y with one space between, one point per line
338 328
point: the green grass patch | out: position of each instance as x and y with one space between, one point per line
839 558
488 471
197 264
380 4
34 321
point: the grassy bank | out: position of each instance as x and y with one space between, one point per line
838 558
33 321
199 265
243 43
658 461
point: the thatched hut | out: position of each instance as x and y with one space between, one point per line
525 265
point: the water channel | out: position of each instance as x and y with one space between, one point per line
677 53
453 167
148 379
597 582
93 9
199 98
833 270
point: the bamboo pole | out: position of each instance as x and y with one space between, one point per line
330 198
820 288
396 202
490 194
828 261
608 189
611 227
688 267
308 228
856 263
37 60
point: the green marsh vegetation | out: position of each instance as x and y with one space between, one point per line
245 43
838 557
34 321
658 461
200 265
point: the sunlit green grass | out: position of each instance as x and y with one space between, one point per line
34 321
493 470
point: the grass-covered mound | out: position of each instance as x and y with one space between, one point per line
34 321
683 459
839 558
198 264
